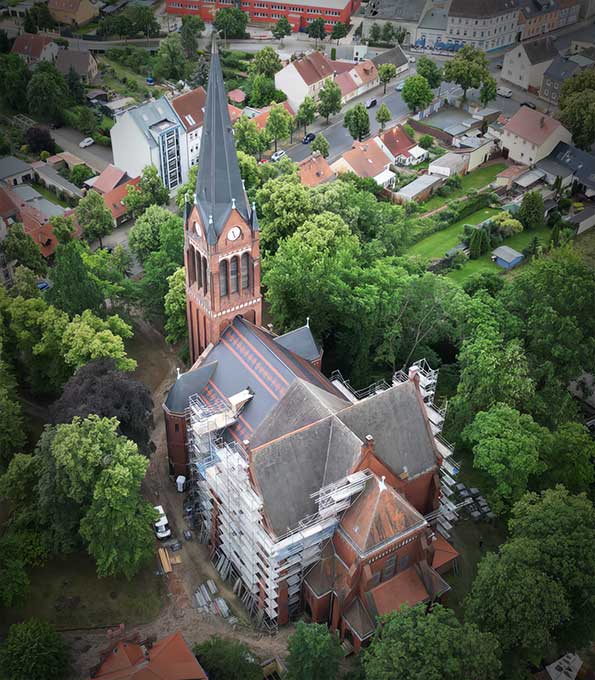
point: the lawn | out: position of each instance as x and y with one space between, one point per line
436 245
68 593
50 195
485 264
474 180
585 245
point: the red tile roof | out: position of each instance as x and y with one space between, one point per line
346 83
404 588
30 45
190 107
64 5
366 159
314 67
168 659
315 170
238 96
397 141
113 199
365 71
262 118
444 553
533 126
109 179
8 204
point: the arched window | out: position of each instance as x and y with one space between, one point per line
205 275
198 266
223 277
245 271
191 266
233 274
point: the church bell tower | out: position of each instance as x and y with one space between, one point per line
221 252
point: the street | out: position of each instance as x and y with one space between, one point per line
97 157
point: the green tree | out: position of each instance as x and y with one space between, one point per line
570 458
192 27
20 247
75 86
329 99
357 122
281 29
232 22
24 283
149 191
430 70
306 113
388 33
317 30
417 93
63 228
4 42
74 290
33 650
416 644
266 62
469 68
386 72
383 115
170 62
321 145
47 92
531 213
246 135
507 447
12 431
580 82
143 20
562 529
87 337
15 77
29 23
375 34
426 141
487 92
314 652
80 174
185 193
515 600
94 218
278 123
200 73
249 170
261 90
578 115
339 31
176 324
226 659
152 229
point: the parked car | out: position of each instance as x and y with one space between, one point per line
310 137
370 103
411 60
88 141
278 155
499 67
263 160
43 285
150 80
161 526
504 92
399 86
529 105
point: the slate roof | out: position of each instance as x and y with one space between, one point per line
435 18
394 56
301 341
219 182
77 59
192 382
10 165
378 515
506 253
560 69
541 50
153 117
481 8
566 159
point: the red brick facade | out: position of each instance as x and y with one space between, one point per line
175 433
222 281
268 12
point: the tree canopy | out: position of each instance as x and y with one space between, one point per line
34 650
226 659
430 70
314 653
231 22
329 99
417 93
357 121
95 219
469 68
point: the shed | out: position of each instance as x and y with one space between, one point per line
450 164
507 257
420 189
583 220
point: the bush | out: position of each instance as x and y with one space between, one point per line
102 139
333 53
564 204
44 155
409 131
426 141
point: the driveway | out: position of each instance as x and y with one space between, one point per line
97 157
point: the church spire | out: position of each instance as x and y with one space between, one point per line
219 183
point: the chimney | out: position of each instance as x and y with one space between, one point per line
414 375
542 122
405 473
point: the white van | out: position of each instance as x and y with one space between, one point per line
504 92
161 526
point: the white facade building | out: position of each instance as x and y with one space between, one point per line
486 24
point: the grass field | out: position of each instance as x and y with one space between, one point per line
474 180
436 245
68 593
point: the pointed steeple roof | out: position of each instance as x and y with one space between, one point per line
219 183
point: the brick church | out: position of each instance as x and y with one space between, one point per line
311 497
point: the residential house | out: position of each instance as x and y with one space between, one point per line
403 13
570 167
537 17
73 12
34 48
367 159
152 134
477 149
507 257
315 170
400 148
305 77
134 659
114 200
583 220
394 56
260 116
525 64
508 175
560 70
420 189
356 80
530 136
450 164
487 24
83 64
14 171
569 12
108 179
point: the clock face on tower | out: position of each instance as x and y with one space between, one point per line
234 234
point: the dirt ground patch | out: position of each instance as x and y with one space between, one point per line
157 364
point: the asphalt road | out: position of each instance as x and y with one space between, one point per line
97 157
